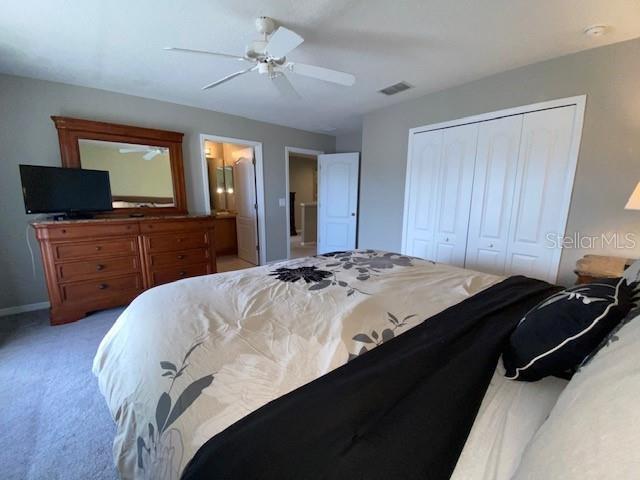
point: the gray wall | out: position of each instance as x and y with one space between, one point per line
27 135
608 165
349 142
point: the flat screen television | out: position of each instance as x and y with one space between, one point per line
73 191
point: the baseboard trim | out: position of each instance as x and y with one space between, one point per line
30 307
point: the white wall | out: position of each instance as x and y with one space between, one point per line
349 142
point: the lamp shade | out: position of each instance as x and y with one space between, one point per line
634 200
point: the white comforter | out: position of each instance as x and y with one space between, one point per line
186 360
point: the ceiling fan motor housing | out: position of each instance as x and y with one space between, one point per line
265 25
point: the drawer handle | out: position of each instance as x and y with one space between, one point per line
98 248
99 267
102 286
180 257
179 240
182 274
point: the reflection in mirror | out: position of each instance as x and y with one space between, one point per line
140 175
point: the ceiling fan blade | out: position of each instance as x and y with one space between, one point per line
282 41
151 154
229 77
133 150
206 52
322 73
284 87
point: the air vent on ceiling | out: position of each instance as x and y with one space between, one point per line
397 88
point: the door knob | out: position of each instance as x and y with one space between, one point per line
446 239
353 214
491 245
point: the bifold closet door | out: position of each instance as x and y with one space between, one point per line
422 187
544 182
440 183
493 190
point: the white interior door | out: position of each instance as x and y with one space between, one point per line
337 201
422 187
453 201
544 181
492 197
246 207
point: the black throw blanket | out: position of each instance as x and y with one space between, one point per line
400 411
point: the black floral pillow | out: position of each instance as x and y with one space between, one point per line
556 336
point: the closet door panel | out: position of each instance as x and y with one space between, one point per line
492 197
541 186
454 193
423 186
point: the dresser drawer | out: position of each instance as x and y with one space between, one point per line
176 241
91 290
172 274
96 268
183 257
85 230
176 225
98 248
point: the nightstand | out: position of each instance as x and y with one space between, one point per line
592 267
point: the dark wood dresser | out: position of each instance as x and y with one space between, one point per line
95 264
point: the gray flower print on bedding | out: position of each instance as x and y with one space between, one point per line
160 455
375 338
330 272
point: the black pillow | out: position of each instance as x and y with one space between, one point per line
560 332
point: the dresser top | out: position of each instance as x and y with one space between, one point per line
48 223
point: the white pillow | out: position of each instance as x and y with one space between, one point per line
593 432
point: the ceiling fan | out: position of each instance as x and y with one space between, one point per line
269 57
150 152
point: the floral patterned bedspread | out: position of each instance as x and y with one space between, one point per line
187 359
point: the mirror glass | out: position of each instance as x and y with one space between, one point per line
140 175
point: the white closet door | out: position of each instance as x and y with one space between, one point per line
454 194
422 186
492 198
543 184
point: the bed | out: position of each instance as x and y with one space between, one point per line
187 360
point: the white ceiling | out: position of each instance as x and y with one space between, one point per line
432 44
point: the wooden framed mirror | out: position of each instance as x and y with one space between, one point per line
144 164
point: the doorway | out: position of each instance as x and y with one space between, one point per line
234 195
301 170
